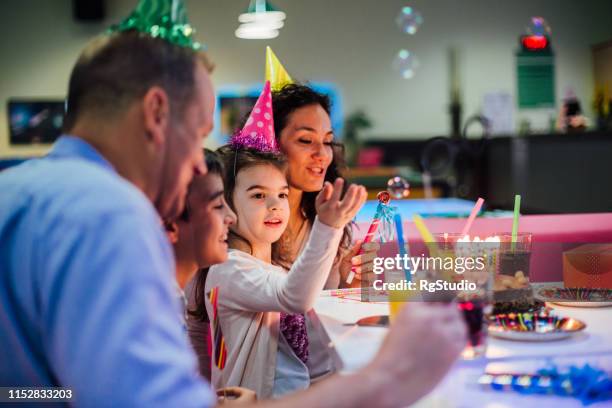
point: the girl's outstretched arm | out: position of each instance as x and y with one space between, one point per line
252 285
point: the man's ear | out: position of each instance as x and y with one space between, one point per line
172 231
156 111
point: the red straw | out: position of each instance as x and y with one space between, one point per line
472 216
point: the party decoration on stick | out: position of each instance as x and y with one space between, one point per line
383 214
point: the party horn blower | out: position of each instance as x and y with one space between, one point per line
515 220
383 199
473 214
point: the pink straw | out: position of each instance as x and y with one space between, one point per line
472 216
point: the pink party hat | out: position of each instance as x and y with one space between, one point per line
258 131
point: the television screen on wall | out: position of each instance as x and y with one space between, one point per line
35 121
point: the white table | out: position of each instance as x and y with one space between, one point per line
354 346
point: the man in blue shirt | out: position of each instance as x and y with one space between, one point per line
86 294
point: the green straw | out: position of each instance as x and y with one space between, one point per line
515 221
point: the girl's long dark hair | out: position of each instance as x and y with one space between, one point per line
215 166
284 102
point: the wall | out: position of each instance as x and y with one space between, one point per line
351 43
602 64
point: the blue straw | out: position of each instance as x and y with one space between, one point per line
399 231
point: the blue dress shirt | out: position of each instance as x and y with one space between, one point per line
87 298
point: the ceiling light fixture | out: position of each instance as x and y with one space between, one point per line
261 21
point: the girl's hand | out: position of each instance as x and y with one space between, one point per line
332 210
236 396
363 263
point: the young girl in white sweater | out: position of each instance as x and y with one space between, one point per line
257 308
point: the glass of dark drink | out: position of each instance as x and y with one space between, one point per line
475 262
475 312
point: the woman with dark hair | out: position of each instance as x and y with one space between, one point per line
303 130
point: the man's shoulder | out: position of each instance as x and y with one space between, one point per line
71 188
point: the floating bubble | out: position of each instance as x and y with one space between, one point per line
538 26
398 187
405 63
409 20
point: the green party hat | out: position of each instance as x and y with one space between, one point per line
165 19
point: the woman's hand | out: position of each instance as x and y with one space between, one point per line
362 264
337 212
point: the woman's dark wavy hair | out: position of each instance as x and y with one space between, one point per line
286 101
214 166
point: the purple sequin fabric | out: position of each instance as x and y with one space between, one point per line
293 327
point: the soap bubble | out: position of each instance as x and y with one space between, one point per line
409 20
405 63
398 187
538 26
